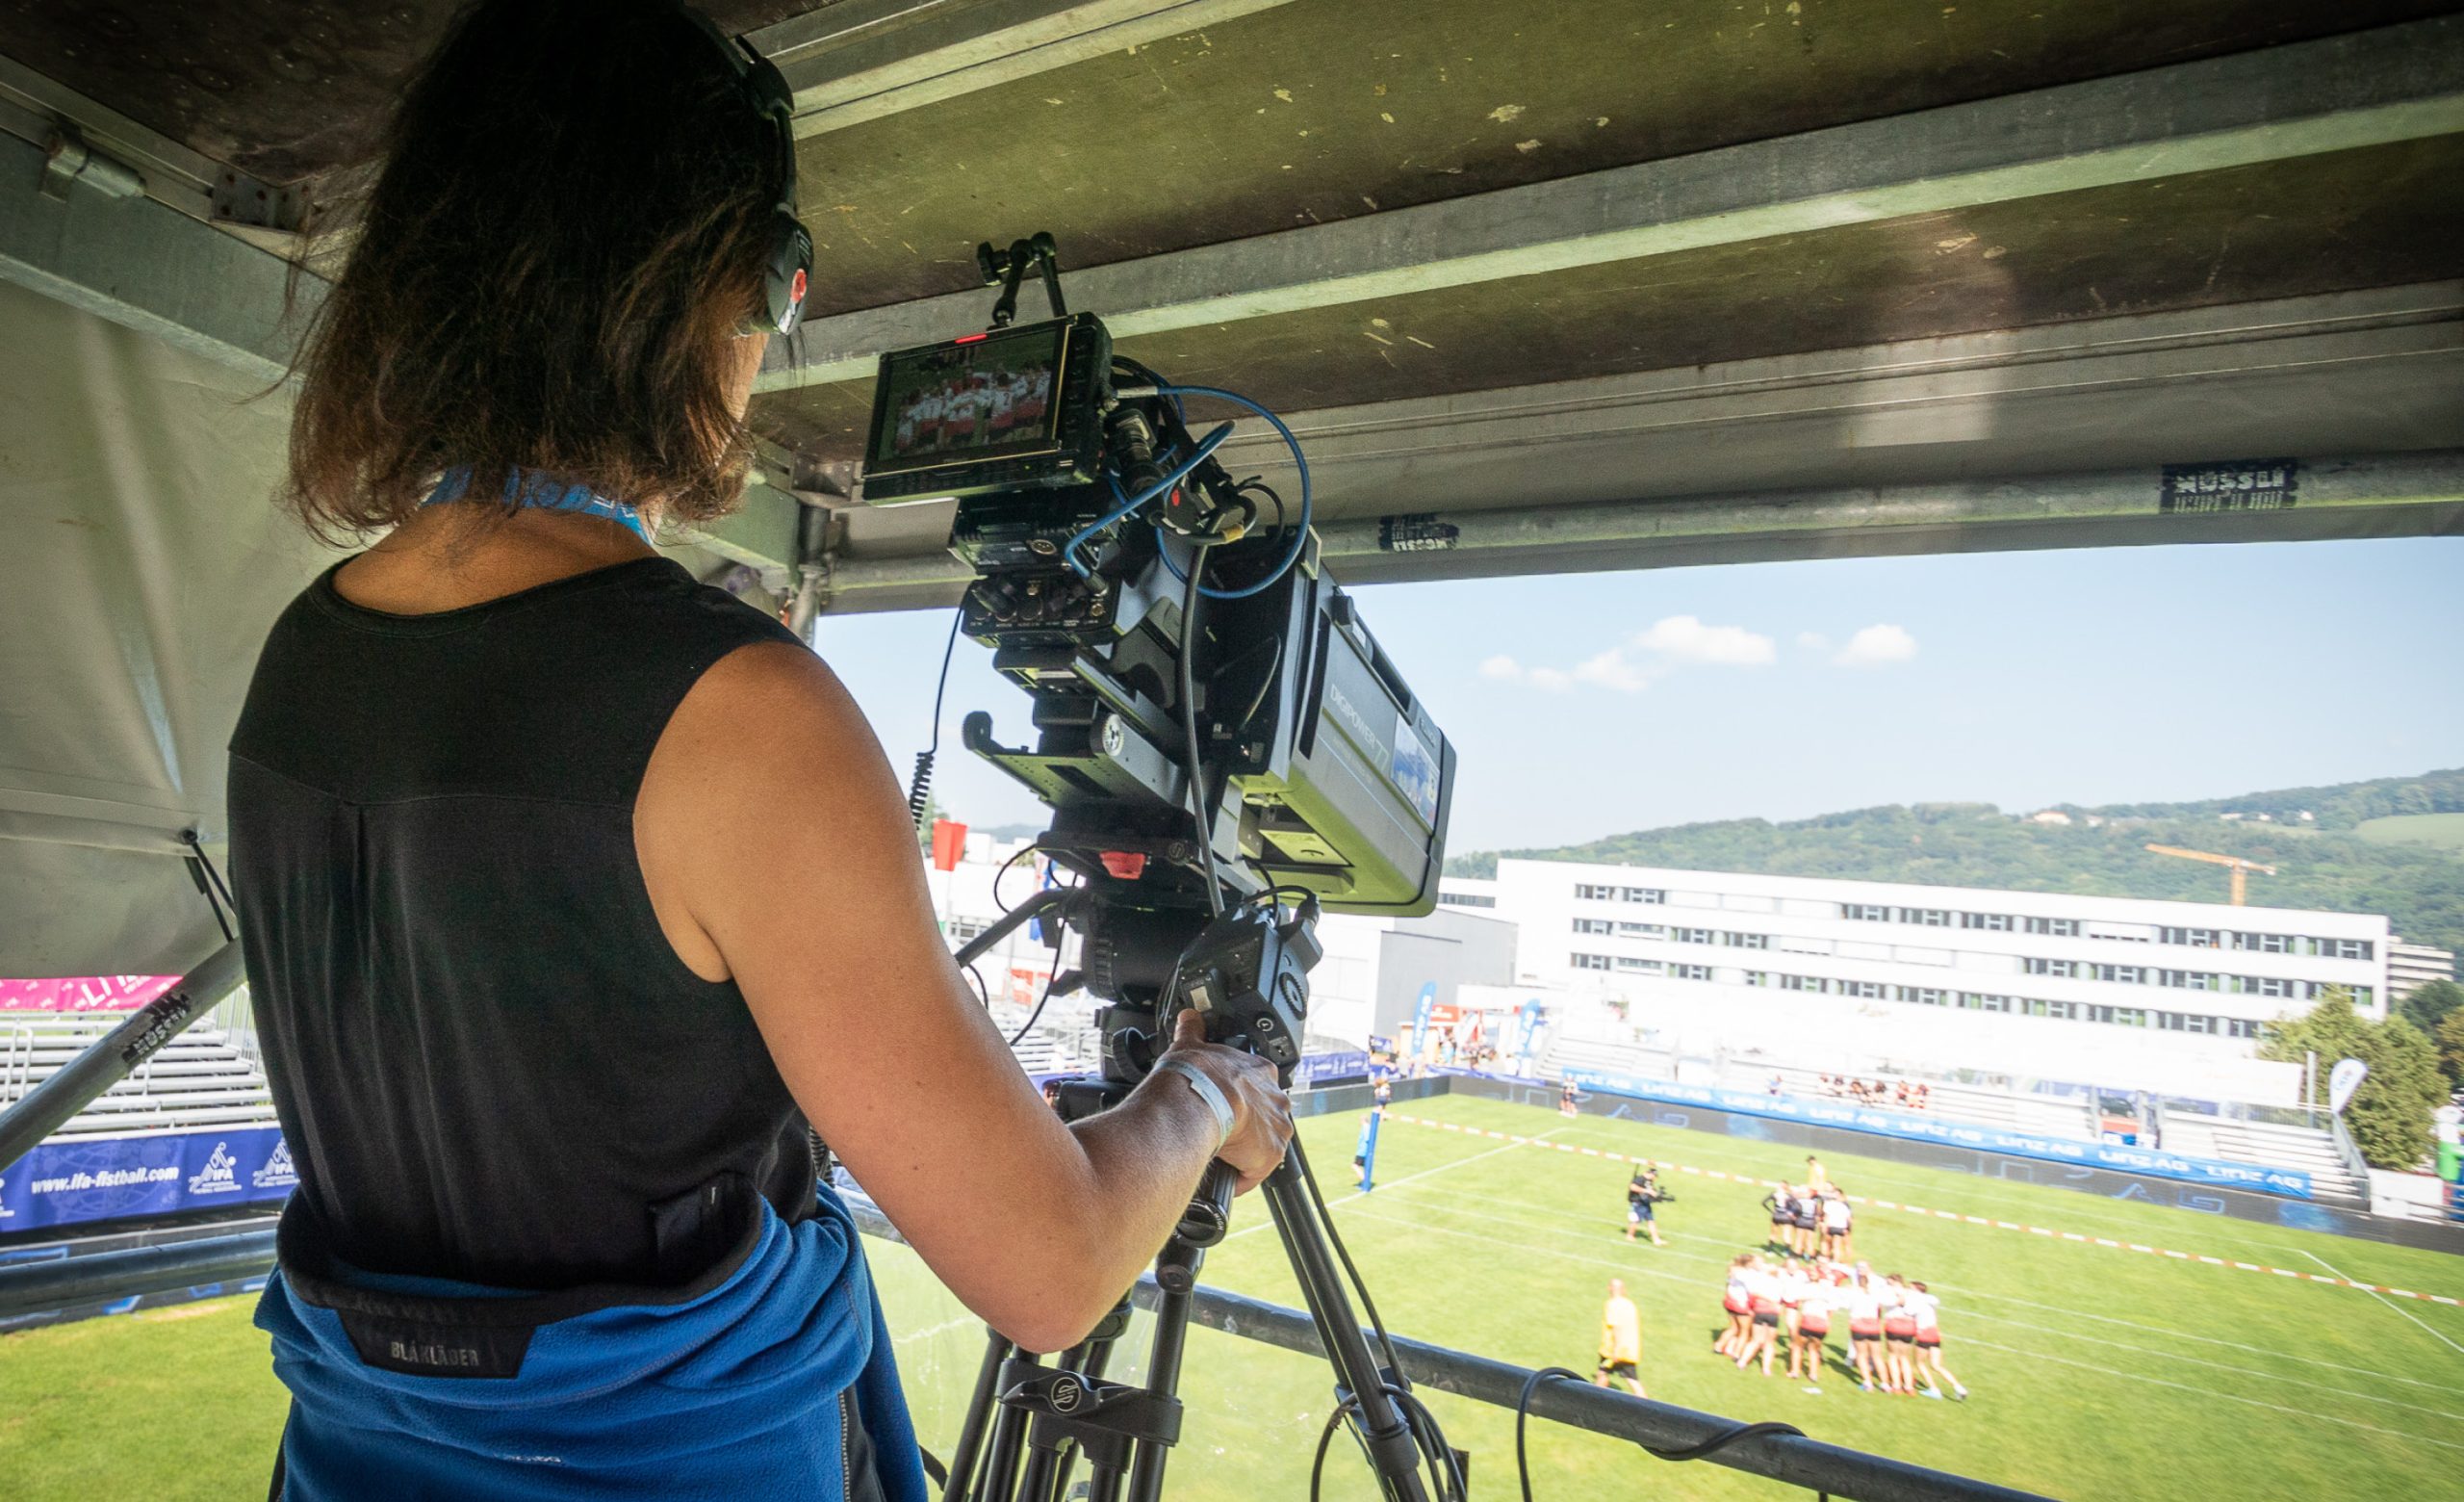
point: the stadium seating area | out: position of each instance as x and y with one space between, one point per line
2265 1143
203 1079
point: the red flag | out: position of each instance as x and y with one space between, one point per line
949 842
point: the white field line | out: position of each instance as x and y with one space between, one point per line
2230 1397
2349 1392
1356 1197
2391 1308
1659 1254
1974 1220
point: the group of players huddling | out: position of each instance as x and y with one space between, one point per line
1806 1278
972 408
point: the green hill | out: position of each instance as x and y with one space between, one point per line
2328 862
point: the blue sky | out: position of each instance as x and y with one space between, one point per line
1586 705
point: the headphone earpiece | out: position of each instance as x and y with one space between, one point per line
787 272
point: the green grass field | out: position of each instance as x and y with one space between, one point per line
2096 1372
2442 831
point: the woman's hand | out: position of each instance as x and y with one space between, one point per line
1260 1112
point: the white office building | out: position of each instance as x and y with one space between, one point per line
2410 966
2020 981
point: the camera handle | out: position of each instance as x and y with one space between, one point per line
1008 268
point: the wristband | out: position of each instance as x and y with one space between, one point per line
1208 1091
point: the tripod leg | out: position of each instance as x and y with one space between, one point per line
979 1411
1388 1439
1162 1375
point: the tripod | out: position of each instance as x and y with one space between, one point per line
1029 1421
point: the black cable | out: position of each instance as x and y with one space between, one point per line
1326 1441
982 993
1028 1025
1196 763
1006 866
1342 1253
1723 1439
920 788
1523 1415
209 884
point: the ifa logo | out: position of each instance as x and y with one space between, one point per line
221 1173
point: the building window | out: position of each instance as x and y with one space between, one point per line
1638 966
1586 892
1976 1001
2120 974
1746 941
2344 948
962 929
1925 918
2242 1028
2189 980
2270 986
1690 972
1691 935
1626 930
1804 983
1758 978
1991 922
1650 894
2058 927
1591 962
1870 990
2264 944
1593 925
2362 996
1864 912
1922 996
2038 967
2191 937
1467 900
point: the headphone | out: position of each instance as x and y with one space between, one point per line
787 268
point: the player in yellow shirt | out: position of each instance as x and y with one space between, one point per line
1621 1340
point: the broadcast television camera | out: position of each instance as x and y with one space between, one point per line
1215 726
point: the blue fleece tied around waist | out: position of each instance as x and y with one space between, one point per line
730 1397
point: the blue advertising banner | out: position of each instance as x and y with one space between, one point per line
1419 1015
2153 1163
64 1183
1316 1069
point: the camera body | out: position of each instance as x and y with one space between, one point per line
1321 772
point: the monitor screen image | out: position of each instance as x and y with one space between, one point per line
987 398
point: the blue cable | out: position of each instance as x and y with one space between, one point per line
1206 445
1300 528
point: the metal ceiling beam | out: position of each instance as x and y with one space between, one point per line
145 266
2394 495
861 59
2396 83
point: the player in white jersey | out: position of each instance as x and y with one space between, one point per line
1738 1301
907 423
1762 1333
1812 1331
1837 1219
1000 401
1899 1337
1864 1302
928 417
1927 1310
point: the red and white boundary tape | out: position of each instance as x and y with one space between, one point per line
1949 1215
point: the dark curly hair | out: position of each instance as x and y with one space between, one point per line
564 228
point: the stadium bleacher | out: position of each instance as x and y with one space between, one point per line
203 1079
2266 1144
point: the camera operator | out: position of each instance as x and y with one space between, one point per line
574 889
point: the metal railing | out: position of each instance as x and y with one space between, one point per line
1794 1458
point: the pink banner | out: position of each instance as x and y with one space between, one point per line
83 993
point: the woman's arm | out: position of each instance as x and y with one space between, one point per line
777 849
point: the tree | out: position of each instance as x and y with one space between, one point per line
2451 1045
2427 1005
2389 1115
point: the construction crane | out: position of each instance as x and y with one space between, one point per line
2240 866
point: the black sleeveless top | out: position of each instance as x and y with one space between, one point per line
489 1063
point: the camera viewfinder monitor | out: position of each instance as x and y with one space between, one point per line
986 411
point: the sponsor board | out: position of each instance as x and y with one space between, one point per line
65 1183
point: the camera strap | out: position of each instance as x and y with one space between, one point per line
538 490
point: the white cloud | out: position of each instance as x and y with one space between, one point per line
1876 645
1632 665
1684 639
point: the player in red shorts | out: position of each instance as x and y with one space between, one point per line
1899 1336
1737 1302
1813 1329
1865 1330
1929 1343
